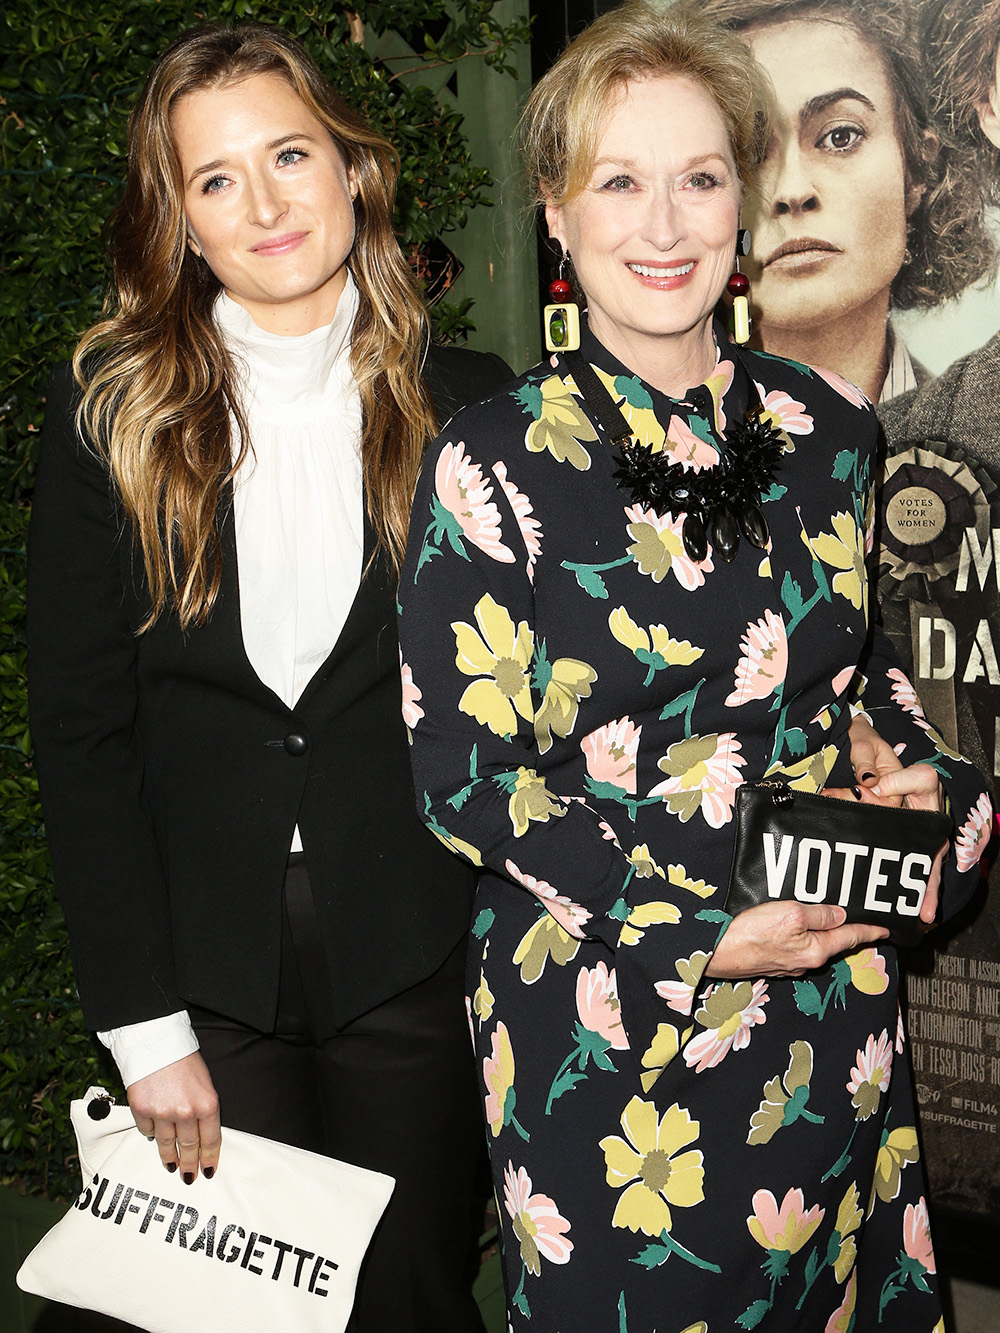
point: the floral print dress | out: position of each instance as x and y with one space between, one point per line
670 1153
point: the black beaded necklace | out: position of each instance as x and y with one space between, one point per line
720 502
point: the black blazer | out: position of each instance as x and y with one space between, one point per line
172 777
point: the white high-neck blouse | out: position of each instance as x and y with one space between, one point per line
298 494
298 505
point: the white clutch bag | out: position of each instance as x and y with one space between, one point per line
273 1242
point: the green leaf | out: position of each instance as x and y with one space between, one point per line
483 922
753 1314
807 997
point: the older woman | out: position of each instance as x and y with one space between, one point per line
862 212
683 1134
257 917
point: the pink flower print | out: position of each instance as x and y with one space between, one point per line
598 1007
658 547
703 773
529 528
498 1075
761 669
687 448
463 492
611 752
412 712
538 1225
785 412
844 387
917 1235
904 695
787 1228
568 914
718 386
842 1318
974 834
729 1013
870 1076
841 680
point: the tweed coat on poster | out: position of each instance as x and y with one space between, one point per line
669 1153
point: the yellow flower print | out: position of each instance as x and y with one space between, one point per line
645 866
482 1001
650 1164
677 875
642 420
662 1049
809 774
657 649
848 1221
898 1149
560 424
679 994
787 1227
868 973
459 845
569 682
785 1097
647 914
842 1319
844 548
544 940
498 1075
501 656
531 801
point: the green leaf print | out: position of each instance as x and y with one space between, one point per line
529 396
589 576
633 391
753 1314
483 922
844 464
791 594
774 492
795 739
807 997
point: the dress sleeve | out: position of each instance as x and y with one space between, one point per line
83 700
889 700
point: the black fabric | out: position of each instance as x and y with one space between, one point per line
395 1091
170 794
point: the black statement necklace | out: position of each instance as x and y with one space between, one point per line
720 502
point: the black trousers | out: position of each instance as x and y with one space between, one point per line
394 1091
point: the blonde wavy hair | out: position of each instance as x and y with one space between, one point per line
160 389
562 121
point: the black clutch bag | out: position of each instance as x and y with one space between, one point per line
873 860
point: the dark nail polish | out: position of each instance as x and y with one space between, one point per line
188 1177
150 1138
171 1166
857 793
208 1172
866 776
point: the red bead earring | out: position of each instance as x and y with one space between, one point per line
562 317
738 286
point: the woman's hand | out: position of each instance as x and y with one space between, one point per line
787 939
883 780
179 1107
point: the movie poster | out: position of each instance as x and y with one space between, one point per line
874 253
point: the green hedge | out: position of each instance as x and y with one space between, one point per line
67 78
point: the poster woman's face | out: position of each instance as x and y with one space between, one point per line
830 233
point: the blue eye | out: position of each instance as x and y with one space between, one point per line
619 184
289 156
214 184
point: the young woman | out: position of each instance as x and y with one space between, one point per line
258 920
687 1131
860 213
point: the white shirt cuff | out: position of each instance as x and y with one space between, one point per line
143 1048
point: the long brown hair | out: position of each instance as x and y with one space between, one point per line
160 390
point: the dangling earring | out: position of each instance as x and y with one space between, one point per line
738 286
561 319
